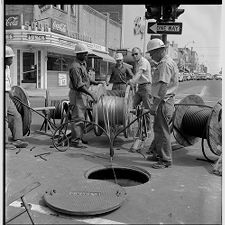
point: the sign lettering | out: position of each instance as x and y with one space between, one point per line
59 27
12 22
36 37
164 28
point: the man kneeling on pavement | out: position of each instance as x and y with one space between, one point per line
164 87
16 125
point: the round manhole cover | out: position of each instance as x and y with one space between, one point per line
89 197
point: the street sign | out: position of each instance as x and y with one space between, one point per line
164 28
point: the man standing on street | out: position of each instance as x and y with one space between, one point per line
79 84
16 125
143 78
164 87
120 74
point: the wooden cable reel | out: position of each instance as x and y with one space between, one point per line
186 132
19 93
115 108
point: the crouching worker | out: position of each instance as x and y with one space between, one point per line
79 84
16 125
164 87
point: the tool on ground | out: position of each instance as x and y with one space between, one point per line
21 194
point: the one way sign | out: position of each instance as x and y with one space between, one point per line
164 28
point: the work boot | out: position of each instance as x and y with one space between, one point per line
20 144
9 146
78 144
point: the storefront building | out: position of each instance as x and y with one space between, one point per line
43 38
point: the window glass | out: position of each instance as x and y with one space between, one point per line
29 69
59 62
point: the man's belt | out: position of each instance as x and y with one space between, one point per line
144 83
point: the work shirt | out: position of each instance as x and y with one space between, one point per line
167 72
120 75
78 75
7 79
144 66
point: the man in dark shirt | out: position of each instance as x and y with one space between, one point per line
120 74
79 84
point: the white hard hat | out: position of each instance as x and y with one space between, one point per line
9 52
81 48
119 56
155 44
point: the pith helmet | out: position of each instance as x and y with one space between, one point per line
118 56
81 48
155 44
9 52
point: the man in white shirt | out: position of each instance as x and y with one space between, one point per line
143 78
17 125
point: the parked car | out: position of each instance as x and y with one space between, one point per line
217 77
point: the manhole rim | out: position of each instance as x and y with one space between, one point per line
104 167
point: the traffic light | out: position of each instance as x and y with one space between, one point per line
171 12
153 12
168 13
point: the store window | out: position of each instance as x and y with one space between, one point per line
59 62
29 68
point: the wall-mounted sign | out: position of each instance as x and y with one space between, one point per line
37 25
59 27
62 79
36 37
12 22
138 27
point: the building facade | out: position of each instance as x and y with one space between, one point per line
43 38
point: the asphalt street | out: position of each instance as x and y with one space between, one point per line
186 193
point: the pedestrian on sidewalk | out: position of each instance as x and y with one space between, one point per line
121 74
78 94
15 125
143 79
164 87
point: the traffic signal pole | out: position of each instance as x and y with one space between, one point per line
164 38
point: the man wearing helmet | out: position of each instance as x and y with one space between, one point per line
120 74
16 126
164 86
79 84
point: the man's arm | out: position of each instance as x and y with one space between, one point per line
129 73
157 100
86 91
136 77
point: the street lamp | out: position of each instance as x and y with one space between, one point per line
185 46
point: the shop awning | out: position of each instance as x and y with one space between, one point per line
104 56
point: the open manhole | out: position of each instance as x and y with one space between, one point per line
122 175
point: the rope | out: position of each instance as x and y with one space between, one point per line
195 120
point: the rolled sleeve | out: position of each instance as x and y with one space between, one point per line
165 73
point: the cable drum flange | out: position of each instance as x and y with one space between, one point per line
214 129
20 94
178 128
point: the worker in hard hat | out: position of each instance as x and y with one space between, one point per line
164 87
79 84
120 74
15 125
143 78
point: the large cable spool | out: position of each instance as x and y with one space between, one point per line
194 120
114 109
99 91
20 94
